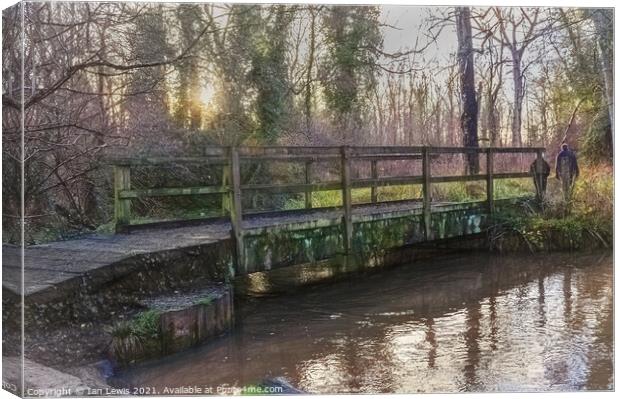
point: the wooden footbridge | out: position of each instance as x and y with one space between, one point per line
233 188
75 278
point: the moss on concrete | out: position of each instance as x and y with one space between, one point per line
372 237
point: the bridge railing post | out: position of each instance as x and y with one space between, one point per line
226 198
347 218
236 219
308 179
426 192
122 207
374 175
490 188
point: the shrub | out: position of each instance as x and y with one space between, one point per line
146 324
589 214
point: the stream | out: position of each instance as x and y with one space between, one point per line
474 322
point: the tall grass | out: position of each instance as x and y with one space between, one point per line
440 192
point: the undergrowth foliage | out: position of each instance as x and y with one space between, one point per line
587 218
133 336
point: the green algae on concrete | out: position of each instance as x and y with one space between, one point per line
372 237
173 323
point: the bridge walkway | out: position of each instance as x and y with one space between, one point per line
53 265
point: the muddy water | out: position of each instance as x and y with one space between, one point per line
473 323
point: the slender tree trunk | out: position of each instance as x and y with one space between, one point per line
493 129
603 25
469 117
451 134
311 50
491 117
517 79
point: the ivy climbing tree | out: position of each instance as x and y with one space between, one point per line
353 40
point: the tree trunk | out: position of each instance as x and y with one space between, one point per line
517 79
311 50
491 118
604 36
469 117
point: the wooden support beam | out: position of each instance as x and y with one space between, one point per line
227 195
456 150
361 152
236 210
347 218
490 188
426 192
293 188
308 180
155 161
122 206
511 175
449 179
171 192
480 177
388 157
374 175
292 158
517 150
250 151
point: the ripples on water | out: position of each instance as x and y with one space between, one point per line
473 323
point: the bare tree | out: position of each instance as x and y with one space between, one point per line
465 56
491 81
603 23
516 30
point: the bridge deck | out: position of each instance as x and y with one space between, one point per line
49 266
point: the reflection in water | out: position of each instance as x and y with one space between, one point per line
493 322
430 338
472 336
567 290
473 323
542 318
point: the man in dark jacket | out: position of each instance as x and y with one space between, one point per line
566 170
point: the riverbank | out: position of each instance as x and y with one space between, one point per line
584 222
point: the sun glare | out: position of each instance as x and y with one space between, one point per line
206 94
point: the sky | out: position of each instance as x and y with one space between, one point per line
409 20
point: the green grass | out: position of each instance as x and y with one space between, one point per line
133 338
121 330
511 188
146 324
125 343
449 192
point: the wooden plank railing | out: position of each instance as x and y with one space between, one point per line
231 187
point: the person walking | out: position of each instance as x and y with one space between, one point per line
540 178
566 170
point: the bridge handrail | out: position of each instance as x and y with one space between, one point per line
232 188
219 155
